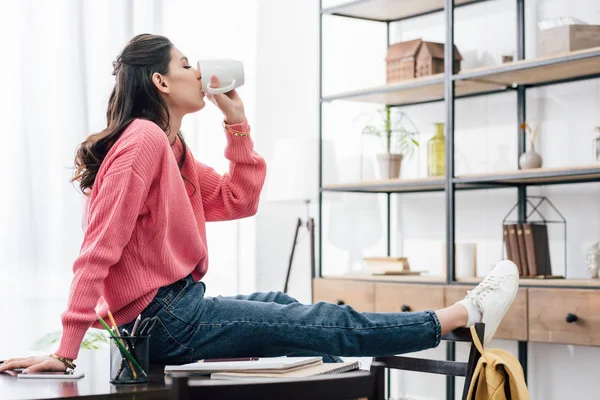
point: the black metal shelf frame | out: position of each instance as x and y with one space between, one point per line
452 183
449 87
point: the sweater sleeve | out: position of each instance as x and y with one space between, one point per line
112 217
235 194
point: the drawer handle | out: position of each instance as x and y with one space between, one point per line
340 302
405 308
571 318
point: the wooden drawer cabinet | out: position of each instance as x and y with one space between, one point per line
514 324
358 295
570 316
397 297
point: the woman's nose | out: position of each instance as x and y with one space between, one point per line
198 74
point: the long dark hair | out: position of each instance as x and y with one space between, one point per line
134 96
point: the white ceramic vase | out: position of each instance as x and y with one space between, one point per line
530 159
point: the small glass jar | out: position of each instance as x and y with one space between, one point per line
129 359
596 146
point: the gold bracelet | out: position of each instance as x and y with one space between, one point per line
234 132
68 363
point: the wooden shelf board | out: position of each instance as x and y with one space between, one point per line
418 90
545 282
361 276
538 175
430 184
537 70
389 278
388 10
391 185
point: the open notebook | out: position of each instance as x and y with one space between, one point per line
321 369
265 364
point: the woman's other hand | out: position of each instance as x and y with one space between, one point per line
33 364
229 103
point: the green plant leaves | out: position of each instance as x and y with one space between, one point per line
397 128
91 341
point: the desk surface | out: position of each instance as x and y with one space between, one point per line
96 383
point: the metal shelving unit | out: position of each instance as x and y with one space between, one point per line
516 76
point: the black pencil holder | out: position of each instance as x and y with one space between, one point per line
129 359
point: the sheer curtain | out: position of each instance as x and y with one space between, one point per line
57 62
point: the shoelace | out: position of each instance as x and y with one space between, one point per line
479 293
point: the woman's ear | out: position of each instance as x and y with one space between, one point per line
161 83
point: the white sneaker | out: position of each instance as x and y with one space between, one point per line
494 295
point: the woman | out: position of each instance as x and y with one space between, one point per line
144 250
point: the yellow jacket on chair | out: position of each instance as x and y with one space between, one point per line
493 369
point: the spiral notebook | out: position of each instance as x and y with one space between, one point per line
322 369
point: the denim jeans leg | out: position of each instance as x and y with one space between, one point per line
265 297
282 298
194 327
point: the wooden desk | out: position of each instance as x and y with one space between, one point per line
95 384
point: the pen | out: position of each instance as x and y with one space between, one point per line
136 325
229 359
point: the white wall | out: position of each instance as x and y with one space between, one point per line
287 105
196 28
60 70
485 141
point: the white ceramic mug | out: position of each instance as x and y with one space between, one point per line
229 72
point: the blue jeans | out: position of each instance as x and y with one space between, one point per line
192 327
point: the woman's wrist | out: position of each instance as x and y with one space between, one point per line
68 362
239 129
234 119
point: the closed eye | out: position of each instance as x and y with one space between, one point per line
187 66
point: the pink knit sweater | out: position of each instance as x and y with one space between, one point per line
146 225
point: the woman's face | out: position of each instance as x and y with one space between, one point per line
181 86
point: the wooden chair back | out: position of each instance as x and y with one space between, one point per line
443 367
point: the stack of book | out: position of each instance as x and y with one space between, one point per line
263 368
527 246
388 266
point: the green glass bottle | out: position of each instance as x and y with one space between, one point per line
436 152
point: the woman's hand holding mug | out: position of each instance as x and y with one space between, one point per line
220 78
229 103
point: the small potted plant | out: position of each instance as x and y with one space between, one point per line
400 141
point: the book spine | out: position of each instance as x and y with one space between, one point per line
383 266
531 252
514 247
545 268
509 253
523 252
